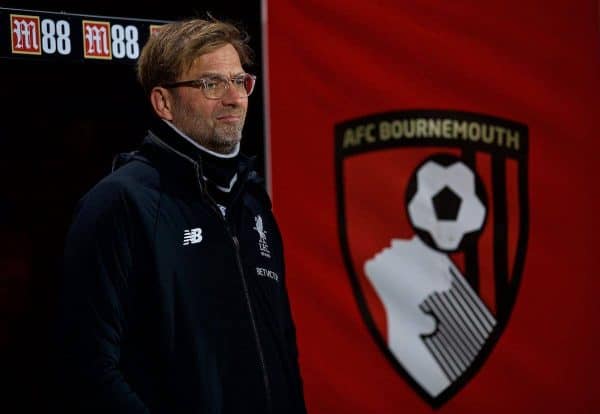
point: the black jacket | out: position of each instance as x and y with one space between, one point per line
168 307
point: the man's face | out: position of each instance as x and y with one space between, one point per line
214 123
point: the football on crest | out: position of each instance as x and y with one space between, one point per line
446 202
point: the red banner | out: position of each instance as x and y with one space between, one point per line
434 172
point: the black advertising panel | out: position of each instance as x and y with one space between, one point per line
52 36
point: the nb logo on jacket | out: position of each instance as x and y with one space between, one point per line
192 236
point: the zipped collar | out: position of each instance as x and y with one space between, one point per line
182 158
183 144
204 150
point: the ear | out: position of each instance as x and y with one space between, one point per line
161 100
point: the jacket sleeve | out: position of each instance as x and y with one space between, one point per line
300 407
91 322
290 334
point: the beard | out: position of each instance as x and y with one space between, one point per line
226 136
218 136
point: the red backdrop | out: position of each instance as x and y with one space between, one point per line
533 62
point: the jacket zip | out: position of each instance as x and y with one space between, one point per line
235 242
236 246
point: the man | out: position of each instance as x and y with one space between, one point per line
175 297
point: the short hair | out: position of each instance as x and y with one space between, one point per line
174 47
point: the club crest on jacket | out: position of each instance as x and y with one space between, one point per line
262 236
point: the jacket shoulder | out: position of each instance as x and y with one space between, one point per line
258 197
135 180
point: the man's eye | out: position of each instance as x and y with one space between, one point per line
241 81
211 84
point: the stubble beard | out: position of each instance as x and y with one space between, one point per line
222 137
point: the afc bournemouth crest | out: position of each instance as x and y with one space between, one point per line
433 219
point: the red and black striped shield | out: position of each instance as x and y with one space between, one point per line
433 219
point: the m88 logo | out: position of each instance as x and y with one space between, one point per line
104 41
45 36
29 38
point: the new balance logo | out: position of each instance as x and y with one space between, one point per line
192 236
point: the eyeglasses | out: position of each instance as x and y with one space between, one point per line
215 87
